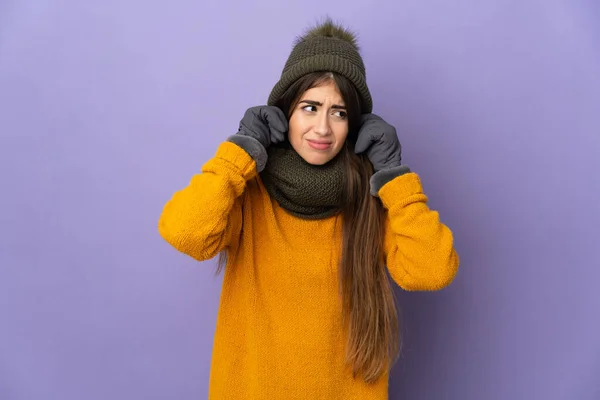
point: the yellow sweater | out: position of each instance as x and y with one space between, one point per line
279 333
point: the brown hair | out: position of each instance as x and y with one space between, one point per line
369 307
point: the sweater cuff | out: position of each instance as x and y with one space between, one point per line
381 178
235 159
401 190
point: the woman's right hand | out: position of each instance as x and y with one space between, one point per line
267 124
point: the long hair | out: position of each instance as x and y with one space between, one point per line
369 307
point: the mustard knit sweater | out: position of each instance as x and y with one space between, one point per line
279 333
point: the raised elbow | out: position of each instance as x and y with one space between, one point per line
182 239
446 272
426 274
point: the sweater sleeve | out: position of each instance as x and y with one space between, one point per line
202 219
419 249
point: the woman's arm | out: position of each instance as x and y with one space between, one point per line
203 218
419 249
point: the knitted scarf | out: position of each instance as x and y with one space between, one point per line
304 190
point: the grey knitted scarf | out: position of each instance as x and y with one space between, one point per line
304 190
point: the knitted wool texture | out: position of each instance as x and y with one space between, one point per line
280 332
327 47
304 190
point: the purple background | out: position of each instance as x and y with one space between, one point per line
107 108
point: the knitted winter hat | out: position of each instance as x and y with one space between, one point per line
326 47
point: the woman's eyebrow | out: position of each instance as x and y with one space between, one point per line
317 103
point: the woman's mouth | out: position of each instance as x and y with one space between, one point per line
319 145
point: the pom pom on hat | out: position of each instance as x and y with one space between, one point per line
330 29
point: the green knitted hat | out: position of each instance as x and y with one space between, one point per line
326 47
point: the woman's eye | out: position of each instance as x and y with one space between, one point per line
310 108
341 114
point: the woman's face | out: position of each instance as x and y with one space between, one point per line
318 125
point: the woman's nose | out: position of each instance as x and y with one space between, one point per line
322 126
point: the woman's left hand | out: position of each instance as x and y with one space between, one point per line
379 140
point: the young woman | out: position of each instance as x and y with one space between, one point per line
309 206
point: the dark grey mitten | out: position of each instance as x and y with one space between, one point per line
267 124
380 142
253 147
260 127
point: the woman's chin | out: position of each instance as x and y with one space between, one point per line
316 158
